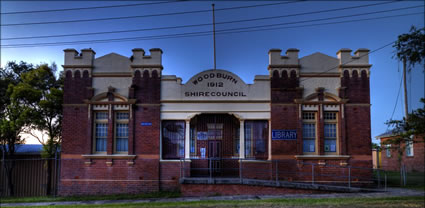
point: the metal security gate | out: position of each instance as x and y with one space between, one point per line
214 156
214 141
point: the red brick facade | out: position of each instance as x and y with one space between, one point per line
84 171
414 162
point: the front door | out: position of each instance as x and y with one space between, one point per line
214 155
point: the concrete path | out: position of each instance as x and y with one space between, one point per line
391 192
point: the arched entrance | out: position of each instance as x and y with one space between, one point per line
214 144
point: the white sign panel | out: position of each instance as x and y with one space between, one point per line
215 84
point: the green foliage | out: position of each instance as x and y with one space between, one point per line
411 46
406 128
13 116
42 92
376 146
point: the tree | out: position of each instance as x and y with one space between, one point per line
410 49
42 92
405 130
13 116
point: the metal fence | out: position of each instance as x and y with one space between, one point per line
29 177
285 171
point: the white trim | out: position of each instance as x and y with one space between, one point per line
187 140
242 139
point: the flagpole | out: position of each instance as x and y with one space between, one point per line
214 35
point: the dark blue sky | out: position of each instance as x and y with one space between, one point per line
242 53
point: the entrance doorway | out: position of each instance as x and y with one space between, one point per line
214 156
214 145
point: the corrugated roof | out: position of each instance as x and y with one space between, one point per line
28 148
388 133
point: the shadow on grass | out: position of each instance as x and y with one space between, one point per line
162 194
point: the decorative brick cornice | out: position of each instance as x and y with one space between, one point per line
77 66
322 157
147 66
121 74
130 101
108 156
283 66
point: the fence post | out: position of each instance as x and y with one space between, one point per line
385 181
240 170
180 168
404 175
312 174
379 179
184 166
349 177
56 173
277 172
210 169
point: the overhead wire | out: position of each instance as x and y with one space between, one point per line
347 62
88 8
144 16
396 102
195 25
235 30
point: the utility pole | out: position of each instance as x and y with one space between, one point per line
214 35
406 107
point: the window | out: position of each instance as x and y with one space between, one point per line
256 134
100 132
121 132
215 131
309 132
330 130
173 134
388 150
409 148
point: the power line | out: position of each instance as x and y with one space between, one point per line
194 25
89 8
191 34
235 30
144 16
396 101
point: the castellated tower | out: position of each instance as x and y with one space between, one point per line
78 70
354 72
106 101
315 92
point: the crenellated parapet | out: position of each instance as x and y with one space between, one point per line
283 66
79 64
147 65
357 65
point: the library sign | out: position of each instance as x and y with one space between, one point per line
215 84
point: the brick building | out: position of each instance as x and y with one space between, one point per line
413 155
127 128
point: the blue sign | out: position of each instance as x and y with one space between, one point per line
284 134
146 124
202 135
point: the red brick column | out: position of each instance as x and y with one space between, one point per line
131 130
342 132
320 131
89 139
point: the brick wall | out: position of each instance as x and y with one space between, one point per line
412 163
89 176
224 189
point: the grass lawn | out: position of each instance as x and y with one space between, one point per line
414 180
90 198
391 202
